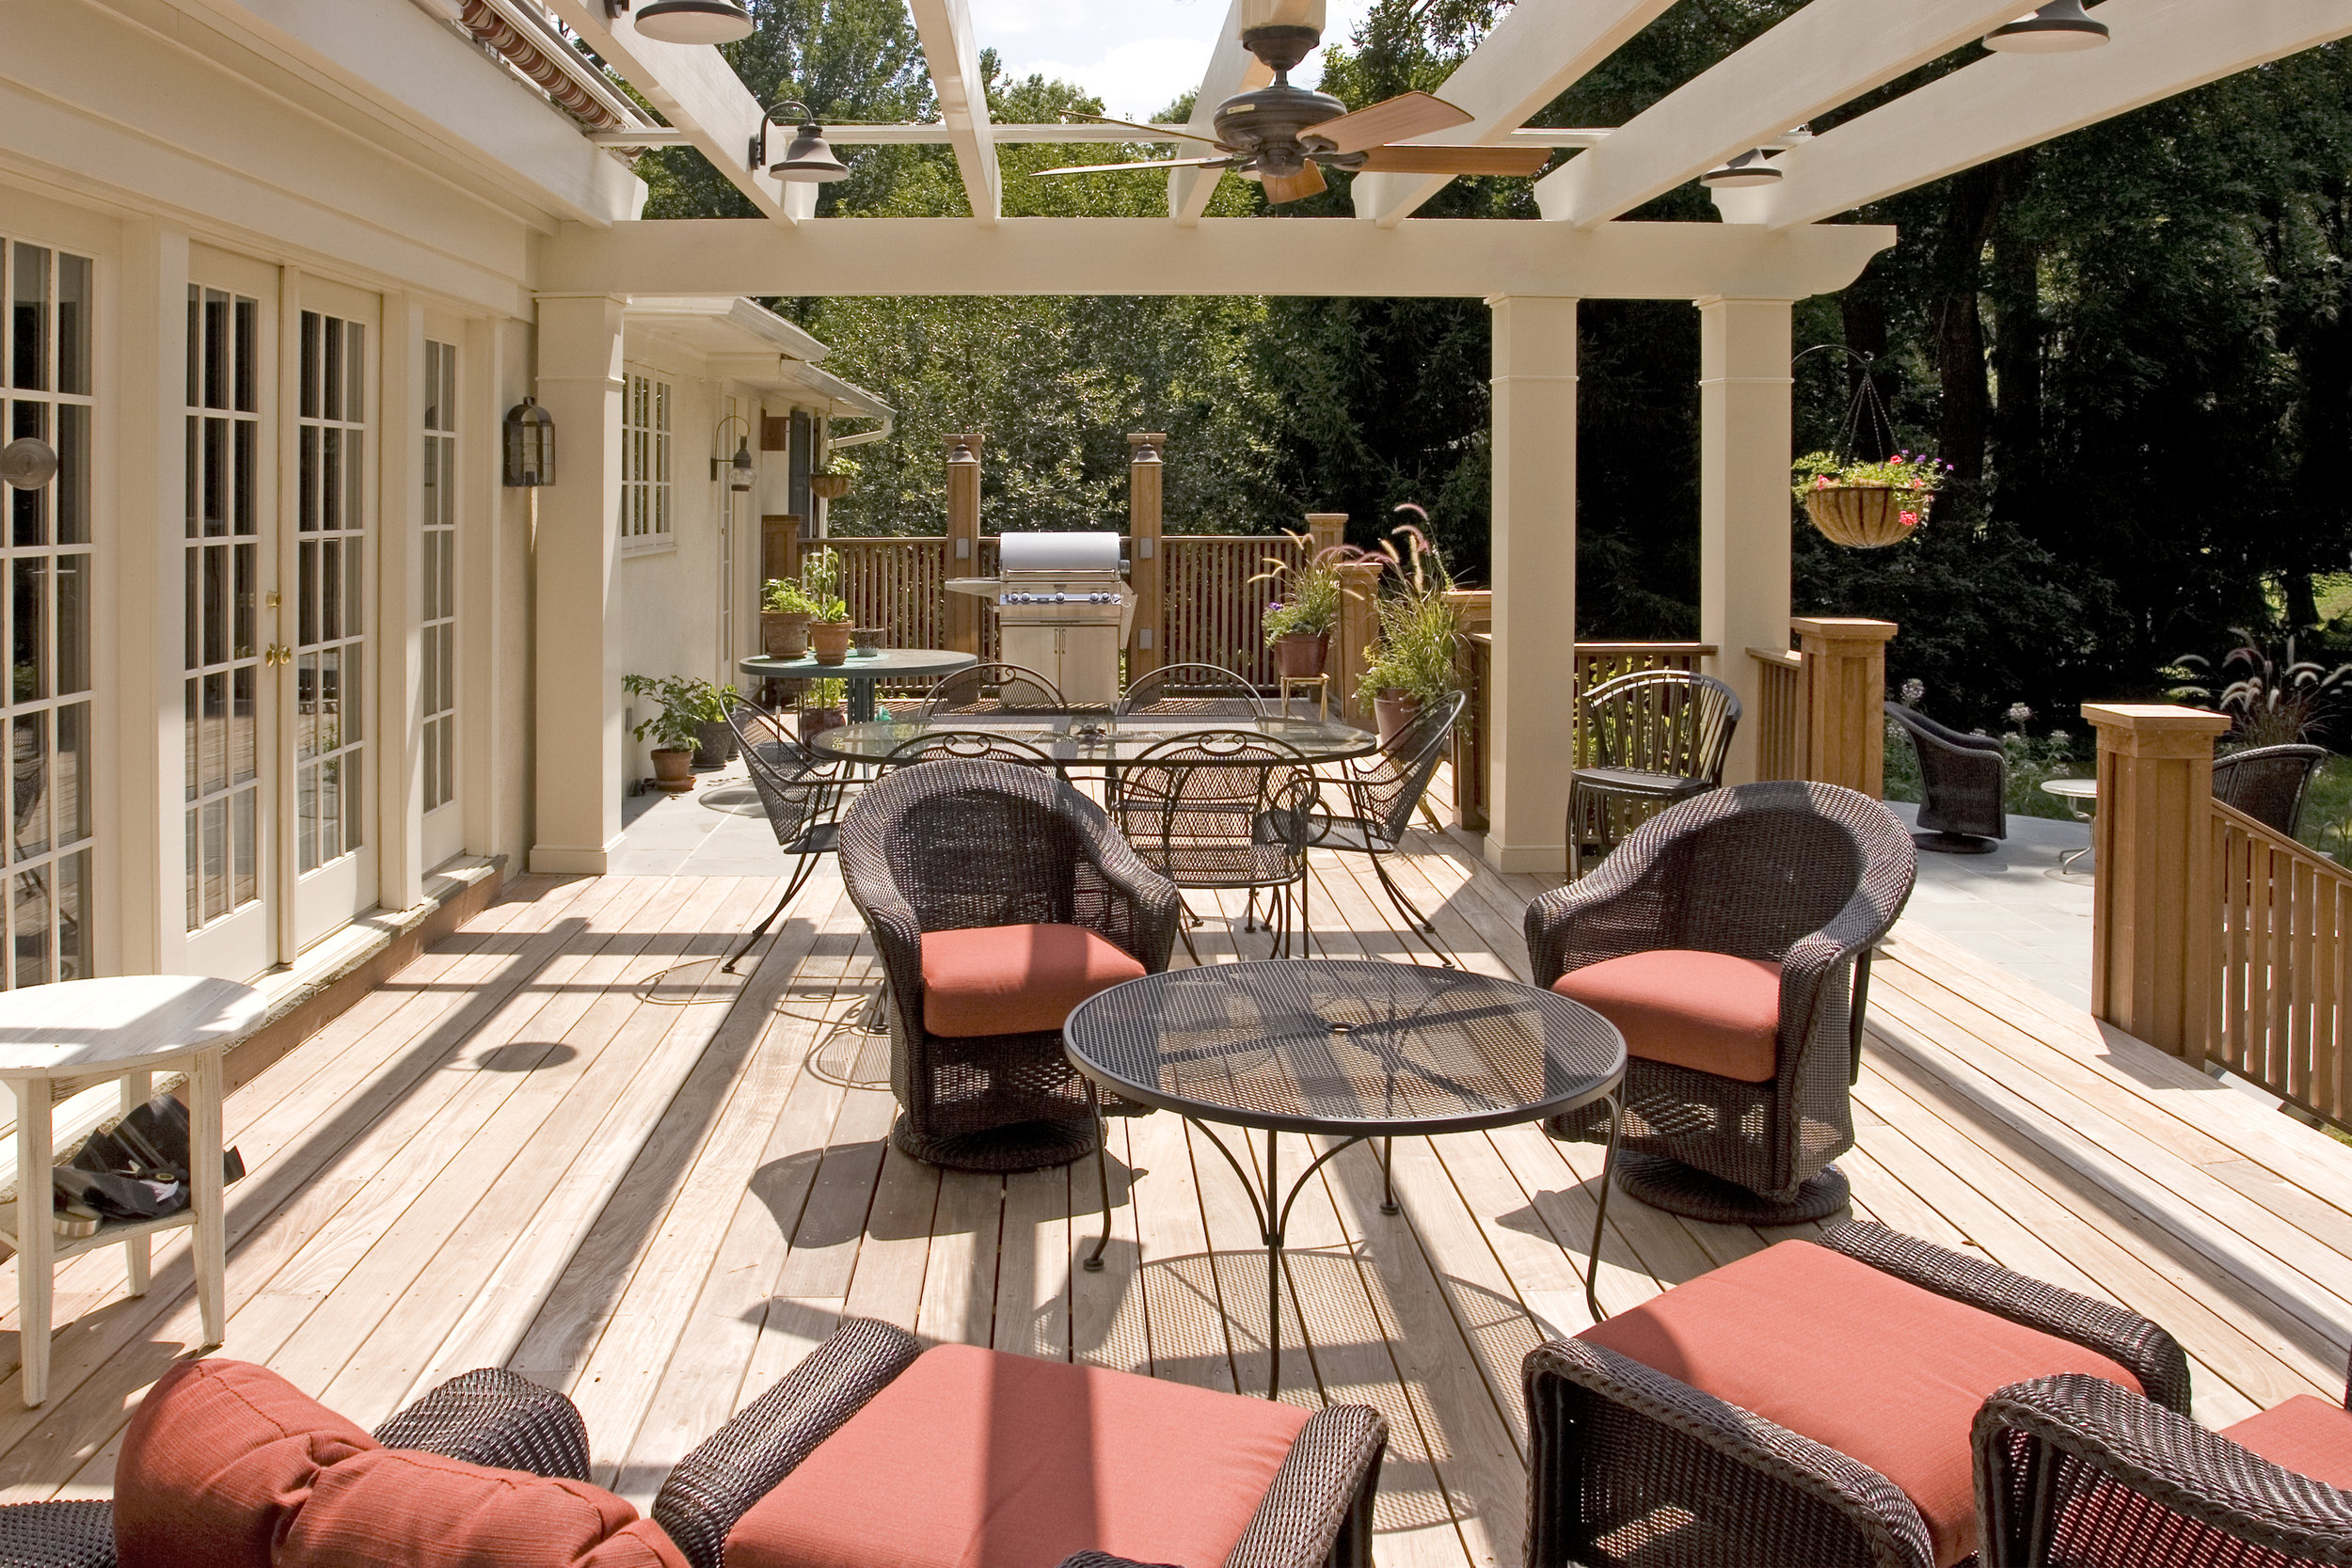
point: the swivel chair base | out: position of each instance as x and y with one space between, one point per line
1693 1194
1955 844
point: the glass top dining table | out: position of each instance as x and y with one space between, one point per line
1092 737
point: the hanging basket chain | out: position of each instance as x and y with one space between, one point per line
1863 516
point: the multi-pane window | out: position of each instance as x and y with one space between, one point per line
440 574
330 520
45 554
645 463
223 654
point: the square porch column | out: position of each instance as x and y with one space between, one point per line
1744 434
1531 704
577 682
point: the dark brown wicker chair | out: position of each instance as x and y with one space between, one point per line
1962 778
2074 1472
1805 876
1222 809
2267 783
1316 1515
491 1417
801 796
1206 691
1631 1467
1382 793
955 845
982 688
1646 740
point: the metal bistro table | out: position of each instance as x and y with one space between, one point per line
860 671
2076 793
1355 1049
1093 739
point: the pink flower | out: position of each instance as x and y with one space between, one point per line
1820 482
1911 519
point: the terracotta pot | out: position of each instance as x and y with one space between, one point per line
830 638
817 721
1391 710
1867 517
673 771
784 635
1302 653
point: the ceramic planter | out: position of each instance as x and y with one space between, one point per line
714 744
784 635
817 721
830 638
1301 654
1391 710
673 771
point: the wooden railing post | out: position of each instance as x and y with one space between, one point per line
779 548
1147 570
1359 627
2153 912
1845 689
1327 530
963 538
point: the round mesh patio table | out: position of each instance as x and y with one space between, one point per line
1355 1049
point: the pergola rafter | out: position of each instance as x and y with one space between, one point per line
1232 68
952 51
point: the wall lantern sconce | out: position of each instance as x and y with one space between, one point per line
530 447
2057 28
29 463
1749 169
739 468
685 21
808 161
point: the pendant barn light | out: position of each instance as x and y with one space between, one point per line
687 21
808 161
739 469
2057 28
1751 167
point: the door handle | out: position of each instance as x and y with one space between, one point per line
278 653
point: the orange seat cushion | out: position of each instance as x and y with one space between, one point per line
1708 1011
1886 1373
2307 1435
975 1459
402 1509
1014 979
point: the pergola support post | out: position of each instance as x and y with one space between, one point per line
1745 433
577 687
963 538
1147 566
2154 913
1531 704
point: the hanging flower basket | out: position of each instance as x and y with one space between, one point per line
829 486
1867 516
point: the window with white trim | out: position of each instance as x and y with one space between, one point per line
645 464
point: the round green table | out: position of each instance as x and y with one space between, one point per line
860 671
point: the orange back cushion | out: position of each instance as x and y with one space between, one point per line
396 1506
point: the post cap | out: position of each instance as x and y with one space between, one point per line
1844 628
2156 730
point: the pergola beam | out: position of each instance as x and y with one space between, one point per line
696 91
1828 53
2005 102
1232 68
952 51
1539 50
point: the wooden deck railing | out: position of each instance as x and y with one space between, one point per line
1780 726
2276 1011
1213 613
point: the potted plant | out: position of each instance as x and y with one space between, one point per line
824 710
1868 505
785 611
684 704
1298 625
829 624
1419 635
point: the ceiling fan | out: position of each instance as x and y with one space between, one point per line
1285 137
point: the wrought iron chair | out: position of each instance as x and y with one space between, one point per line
2267 783
1962 778
1382 792
992 846
801 796
1223 809
1647 739
2076 1472
1730 940
1191 691
969 746
982 688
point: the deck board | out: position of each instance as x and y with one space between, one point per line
563 1141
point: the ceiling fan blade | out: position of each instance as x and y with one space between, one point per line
1457 160
1119 169
1293 187
1151 132
1398 119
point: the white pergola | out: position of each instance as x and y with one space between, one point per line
1772 248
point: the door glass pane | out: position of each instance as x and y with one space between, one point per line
28 785
224 641
30 323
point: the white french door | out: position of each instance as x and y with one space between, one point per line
444 827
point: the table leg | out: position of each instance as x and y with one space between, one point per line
861 699
1101 1176
36 1233
1601 1210
204 1190
1273 1272
138 1253
1388 1182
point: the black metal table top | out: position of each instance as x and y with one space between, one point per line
1346 1046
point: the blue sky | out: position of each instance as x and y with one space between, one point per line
1137 54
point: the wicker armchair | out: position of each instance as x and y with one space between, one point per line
1191 691
1630 1467
2074 1472
2267 783
801 797
959 846
1382 793
1647 739
1317 1513
491 1417
1962 778
1803 878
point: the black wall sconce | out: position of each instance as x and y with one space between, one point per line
529 446
740 467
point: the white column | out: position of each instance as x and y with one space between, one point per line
1530 710
1744 435
485 710
576 759
400 562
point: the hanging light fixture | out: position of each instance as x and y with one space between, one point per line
529 446
1751 167
808 161
739 468
2057 28
687 21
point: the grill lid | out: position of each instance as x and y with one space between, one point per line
1037 554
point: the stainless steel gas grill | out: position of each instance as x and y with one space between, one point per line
1063 610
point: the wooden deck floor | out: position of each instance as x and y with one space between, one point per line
561 1141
